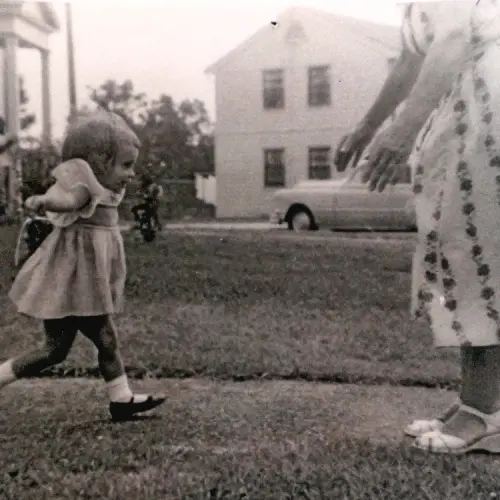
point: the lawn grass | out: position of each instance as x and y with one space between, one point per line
223 309
251 305
213 440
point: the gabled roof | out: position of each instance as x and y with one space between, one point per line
386 36
46 11
49 15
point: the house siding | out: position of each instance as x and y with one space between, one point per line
358 68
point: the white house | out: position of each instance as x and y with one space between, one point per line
285 97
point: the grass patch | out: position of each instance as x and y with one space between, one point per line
214 440
252 305
243 306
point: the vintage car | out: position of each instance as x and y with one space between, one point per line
344 204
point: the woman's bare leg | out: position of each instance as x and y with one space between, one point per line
480 390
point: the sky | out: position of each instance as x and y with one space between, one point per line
162 46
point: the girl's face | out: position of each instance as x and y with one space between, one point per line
121 172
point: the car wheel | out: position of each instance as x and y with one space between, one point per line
301 221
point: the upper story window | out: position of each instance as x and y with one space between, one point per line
273 81
319 86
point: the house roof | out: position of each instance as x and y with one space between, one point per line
49 15
386 36
46 9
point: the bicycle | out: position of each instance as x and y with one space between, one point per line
146 224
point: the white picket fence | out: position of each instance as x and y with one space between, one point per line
206 188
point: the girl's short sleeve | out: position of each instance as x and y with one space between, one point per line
74 173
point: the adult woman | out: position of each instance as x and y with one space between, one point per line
448 73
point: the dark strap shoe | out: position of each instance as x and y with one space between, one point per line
126 410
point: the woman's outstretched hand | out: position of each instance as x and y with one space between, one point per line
386 160
353 145
385 168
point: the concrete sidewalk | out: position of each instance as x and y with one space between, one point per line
209 228
240 226
376 413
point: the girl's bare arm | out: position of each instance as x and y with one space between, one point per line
56 201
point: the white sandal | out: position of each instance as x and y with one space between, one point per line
419 427
438 442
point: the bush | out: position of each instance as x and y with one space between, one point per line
179 201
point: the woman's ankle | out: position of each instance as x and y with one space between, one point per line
483 404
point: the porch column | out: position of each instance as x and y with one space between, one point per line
12 106
46 104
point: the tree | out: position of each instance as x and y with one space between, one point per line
120 99
195 115
27 119
175 138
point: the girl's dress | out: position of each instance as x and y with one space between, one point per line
80 268
456 165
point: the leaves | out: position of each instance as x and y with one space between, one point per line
27 119
176 139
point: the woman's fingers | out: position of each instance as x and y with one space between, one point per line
345 152
371 164
395 178
339 153
350 146
384 161
386 176
359 152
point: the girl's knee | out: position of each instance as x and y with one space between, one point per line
102 332
107 342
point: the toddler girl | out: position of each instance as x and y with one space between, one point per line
75 280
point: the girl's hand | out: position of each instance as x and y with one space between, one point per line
35 203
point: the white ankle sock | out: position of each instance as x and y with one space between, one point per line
120 392
7 376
